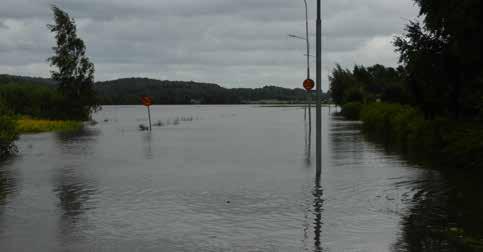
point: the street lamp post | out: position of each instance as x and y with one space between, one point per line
318 131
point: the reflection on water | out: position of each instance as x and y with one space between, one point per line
73 196
72 184
8 183
318 204
445 215
445 210
8 187
308 139
148 144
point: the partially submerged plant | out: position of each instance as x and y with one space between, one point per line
159 124
143 127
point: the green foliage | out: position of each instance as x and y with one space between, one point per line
74 71
367 84
463 143
453 142
7 131
351 110
392 120
442 58
39 101
441 72
427 79
340 81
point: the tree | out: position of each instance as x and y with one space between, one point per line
340 80
422 54
74 71
446 50
367 84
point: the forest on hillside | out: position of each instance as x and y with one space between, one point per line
129 91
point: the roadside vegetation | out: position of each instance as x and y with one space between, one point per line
432 104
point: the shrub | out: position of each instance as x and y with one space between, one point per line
454 142
351 110
463 143
377 116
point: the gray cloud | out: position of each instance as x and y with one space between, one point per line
231 42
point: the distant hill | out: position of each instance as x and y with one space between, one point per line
128 91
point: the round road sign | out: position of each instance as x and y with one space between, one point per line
309 84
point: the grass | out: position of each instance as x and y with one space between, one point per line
29 125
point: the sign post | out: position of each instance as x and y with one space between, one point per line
148 102
309 85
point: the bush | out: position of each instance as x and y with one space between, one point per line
454 142
351 110
463 143
8 133
401 124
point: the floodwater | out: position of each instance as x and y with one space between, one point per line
226 178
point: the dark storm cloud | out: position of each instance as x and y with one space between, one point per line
231 42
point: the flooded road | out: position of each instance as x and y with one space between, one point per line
225 178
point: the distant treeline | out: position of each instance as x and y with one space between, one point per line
14 79
35 97
128 91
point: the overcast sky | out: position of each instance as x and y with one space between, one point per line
235 43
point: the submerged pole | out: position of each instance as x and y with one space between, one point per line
318 132
309 104
149 116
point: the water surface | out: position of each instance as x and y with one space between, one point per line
220 178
